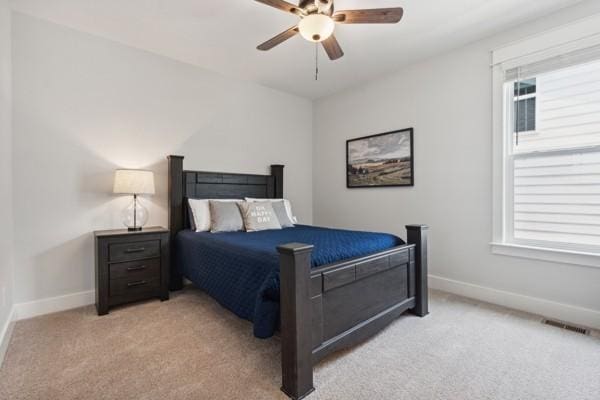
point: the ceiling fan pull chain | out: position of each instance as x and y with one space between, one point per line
316 61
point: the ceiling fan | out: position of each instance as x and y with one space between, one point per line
318 19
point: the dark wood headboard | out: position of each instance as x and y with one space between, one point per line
185 185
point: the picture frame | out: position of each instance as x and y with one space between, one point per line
381 160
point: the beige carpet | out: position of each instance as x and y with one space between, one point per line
190 348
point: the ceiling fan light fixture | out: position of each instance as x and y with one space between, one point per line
316 27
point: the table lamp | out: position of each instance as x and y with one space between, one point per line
135 182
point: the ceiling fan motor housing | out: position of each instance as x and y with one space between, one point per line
310 8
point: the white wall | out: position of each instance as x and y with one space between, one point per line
6 210
84 106
448 100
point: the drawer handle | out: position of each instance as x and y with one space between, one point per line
138 283
135 250
138 268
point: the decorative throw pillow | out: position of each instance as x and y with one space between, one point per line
259 216
199 212
286 202
281 213
225 216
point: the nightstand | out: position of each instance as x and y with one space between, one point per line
131 266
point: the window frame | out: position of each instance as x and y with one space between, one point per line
575 36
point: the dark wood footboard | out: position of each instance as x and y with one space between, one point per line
339 305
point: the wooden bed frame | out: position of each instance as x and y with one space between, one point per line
323 309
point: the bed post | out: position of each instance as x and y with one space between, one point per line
417 235
277 173
175 215
296 322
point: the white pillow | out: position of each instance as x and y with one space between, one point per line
286 202
200 210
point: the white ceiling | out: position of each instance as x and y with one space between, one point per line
222 35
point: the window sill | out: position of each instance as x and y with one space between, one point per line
547 254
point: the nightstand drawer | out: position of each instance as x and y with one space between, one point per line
128 286
141 269
134 250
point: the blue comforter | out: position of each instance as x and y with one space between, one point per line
241 269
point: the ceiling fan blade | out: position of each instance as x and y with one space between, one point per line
282 37
282 5
332 47
373 16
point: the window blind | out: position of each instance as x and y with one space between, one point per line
555 168
565 60
557 197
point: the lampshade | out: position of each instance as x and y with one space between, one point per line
133 181
316 27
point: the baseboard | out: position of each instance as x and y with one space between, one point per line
6 333
546 308
54 304
534 305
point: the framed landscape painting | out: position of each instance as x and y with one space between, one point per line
380 160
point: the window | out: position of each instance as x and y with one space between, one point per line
550 153
555 157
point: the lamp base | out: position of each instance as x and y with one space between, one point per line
135 216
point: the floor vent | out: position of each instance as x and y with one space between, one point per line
564 325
